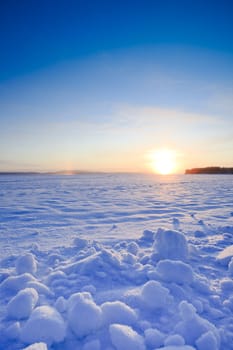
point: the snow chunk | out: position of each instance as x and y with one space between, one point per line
124 337
118 312
192 325
40 287
133 248
13 284
44 325
175 271
13 331
225 256
80 243
37 346
154 295
148 236
61 304
26 263
22 304
154 338
84 316
171 245
174 339
92 345
207 341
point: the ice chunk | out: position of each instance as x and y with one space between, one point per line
174 339
44 325
207 341
61 304
80 243
225 256
92 345
171 245
84 316
37 346
124 337
133 248
118 312
13 331
230 267
89 288
40 287
192 325
175 271
22 304
154 338
26 263
13 284
148 235
154 295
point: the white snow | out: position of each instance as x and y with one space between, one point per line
21 305
26 263
124 337
116 262
170 244
44 325
84 316
175 271
154 338
118 312
154 295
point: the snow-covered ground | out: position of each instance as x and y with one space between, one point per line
116 262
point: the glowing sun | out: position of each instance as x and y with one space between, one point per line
163 161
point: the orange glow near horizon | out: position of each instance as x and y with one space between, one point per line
163 161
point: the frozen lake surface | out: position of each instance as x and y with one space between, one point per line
55 209
100 261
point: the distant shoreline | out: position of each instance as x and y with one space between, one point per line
210 170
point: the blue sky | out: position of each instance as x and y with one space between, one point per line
98 85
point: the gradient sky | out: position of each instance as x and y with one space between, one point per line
99 85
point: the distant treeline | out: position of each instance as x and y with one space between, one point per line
210 170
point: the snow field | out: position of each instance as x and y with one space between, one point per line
129 295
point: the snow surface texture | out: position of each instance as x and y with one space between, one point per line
113 262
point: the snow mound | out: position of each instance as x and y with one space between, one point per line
44 325
118 312
174 271
124 337
154 295
192 326
84 316
26 263
37 346
170 244
22 304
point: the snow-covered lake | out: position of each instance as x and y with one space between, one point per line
116 262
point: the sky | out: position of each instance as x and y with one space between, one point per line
103 85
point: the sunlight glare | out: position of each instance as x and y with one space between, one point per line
163 161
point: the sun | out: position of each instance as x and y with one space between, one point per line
163 161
